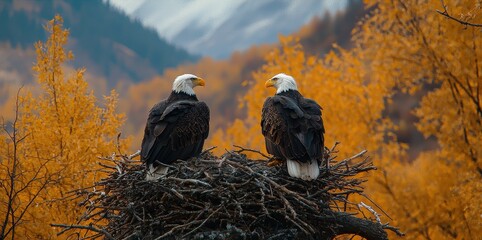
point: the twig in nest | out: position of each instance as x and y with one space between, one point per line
200 225
207 150
332 150
134 155
71 226
393 229
243 149
194 181
370 209
381 209
288 205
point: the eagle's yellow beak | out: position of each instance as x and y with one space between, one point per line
269 83
199 82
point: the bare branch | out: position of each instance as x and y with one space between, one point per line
446 14
22 182
393 229
370 209
71 226
207 150
243 149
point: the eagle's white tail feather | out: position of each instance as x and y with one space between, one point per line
293 168
155 173
306 171
313 169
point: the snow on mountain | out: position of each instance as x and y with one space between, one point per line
217 28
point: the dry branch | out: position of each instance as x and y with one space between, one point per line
446 14
228 197
90 228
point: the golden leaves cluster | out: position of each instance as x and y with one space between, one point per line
401 46
65 130
339 83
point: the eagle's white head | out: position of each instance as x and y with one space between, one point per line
282 83
186 82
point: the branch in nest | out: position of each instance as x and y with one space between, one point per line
90 227
370 209
134 155
193 181
243 149
393 229
229 196
207 150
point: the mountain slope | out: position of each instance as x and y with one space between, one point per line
104 39
217 28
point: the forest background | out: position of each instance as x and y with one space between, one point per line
396 78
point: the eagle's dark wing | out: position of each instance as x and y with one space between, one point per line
176 131
313 126
149 136
292 131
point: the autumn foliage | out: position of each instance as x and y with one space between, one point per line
402 46
53 144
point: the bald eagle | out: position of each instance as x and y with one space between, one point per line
293 128
176 127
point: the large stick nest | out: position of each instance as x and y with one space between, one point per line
231 197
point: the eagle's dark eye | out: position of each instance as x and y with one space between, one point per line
275 79
192 79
